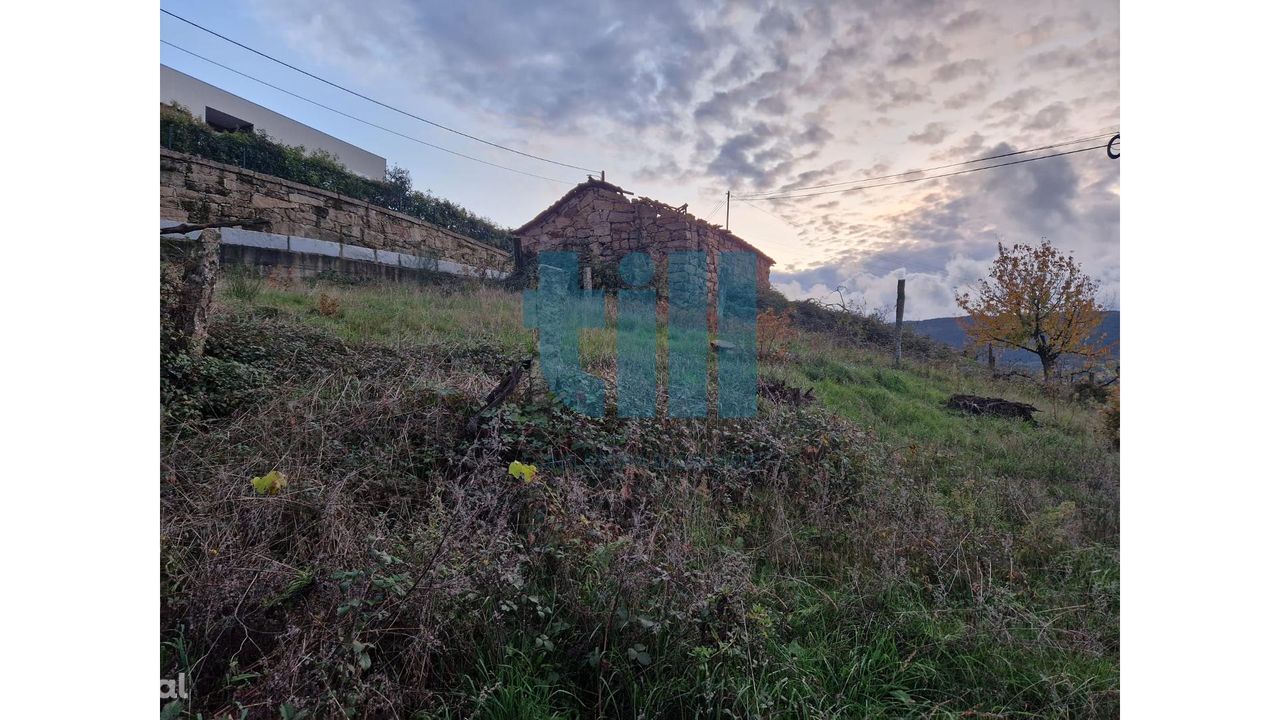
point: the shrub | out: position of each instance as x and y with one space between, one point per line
328 305
1111 419
773 333
208 388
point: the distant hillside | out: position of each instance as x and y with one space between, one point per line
950 330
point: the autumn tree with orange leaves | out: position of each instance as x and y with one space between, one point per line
1036 299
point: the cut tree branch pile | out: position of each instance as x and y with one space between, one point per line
975 405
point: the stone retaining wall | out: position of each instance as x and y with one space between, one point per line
193 189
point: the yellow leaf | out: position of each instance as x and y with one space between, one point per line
523 472
270 484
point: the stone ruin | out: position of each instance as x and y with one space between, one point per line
603 223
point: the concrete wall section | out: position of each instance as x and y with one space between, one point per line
288 251
282 265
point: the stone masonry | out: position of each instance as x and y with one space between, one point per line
193 189
602 224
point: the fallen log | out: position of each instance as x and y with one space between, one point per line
976 405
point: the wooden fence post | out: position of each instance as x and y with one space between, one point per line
897 326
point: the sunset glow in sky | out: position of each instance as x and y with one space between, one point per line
682 100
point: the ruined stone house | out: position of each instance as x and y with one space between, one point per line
603 223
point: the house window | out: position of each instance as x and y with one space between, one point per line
224 121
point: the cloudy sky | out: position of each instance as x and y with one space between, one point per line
682 100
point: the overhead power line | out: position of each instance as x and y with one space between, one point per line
713 210
359 119
1064 143
932 177
774 215
358 94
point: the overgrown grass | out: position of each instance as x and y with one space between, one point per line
905 407
243 283
399 315
870 556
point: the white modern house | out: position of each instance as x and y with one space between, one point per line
225 111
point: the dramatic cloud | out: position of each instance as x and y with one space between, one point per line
916 50
960 68
932 134
681 100
1049 117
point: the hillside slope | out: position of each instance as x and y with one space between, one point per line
869 554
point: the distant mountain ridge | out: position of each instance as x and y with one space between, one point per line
949 330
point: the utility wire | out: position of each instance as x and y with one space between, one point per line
360 120
932 177
372 100
713 210
774 215
762 195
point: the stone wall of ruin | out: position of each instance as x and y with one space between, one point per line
193 189
602 224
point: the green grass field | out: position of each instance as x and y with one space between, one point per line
869 555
